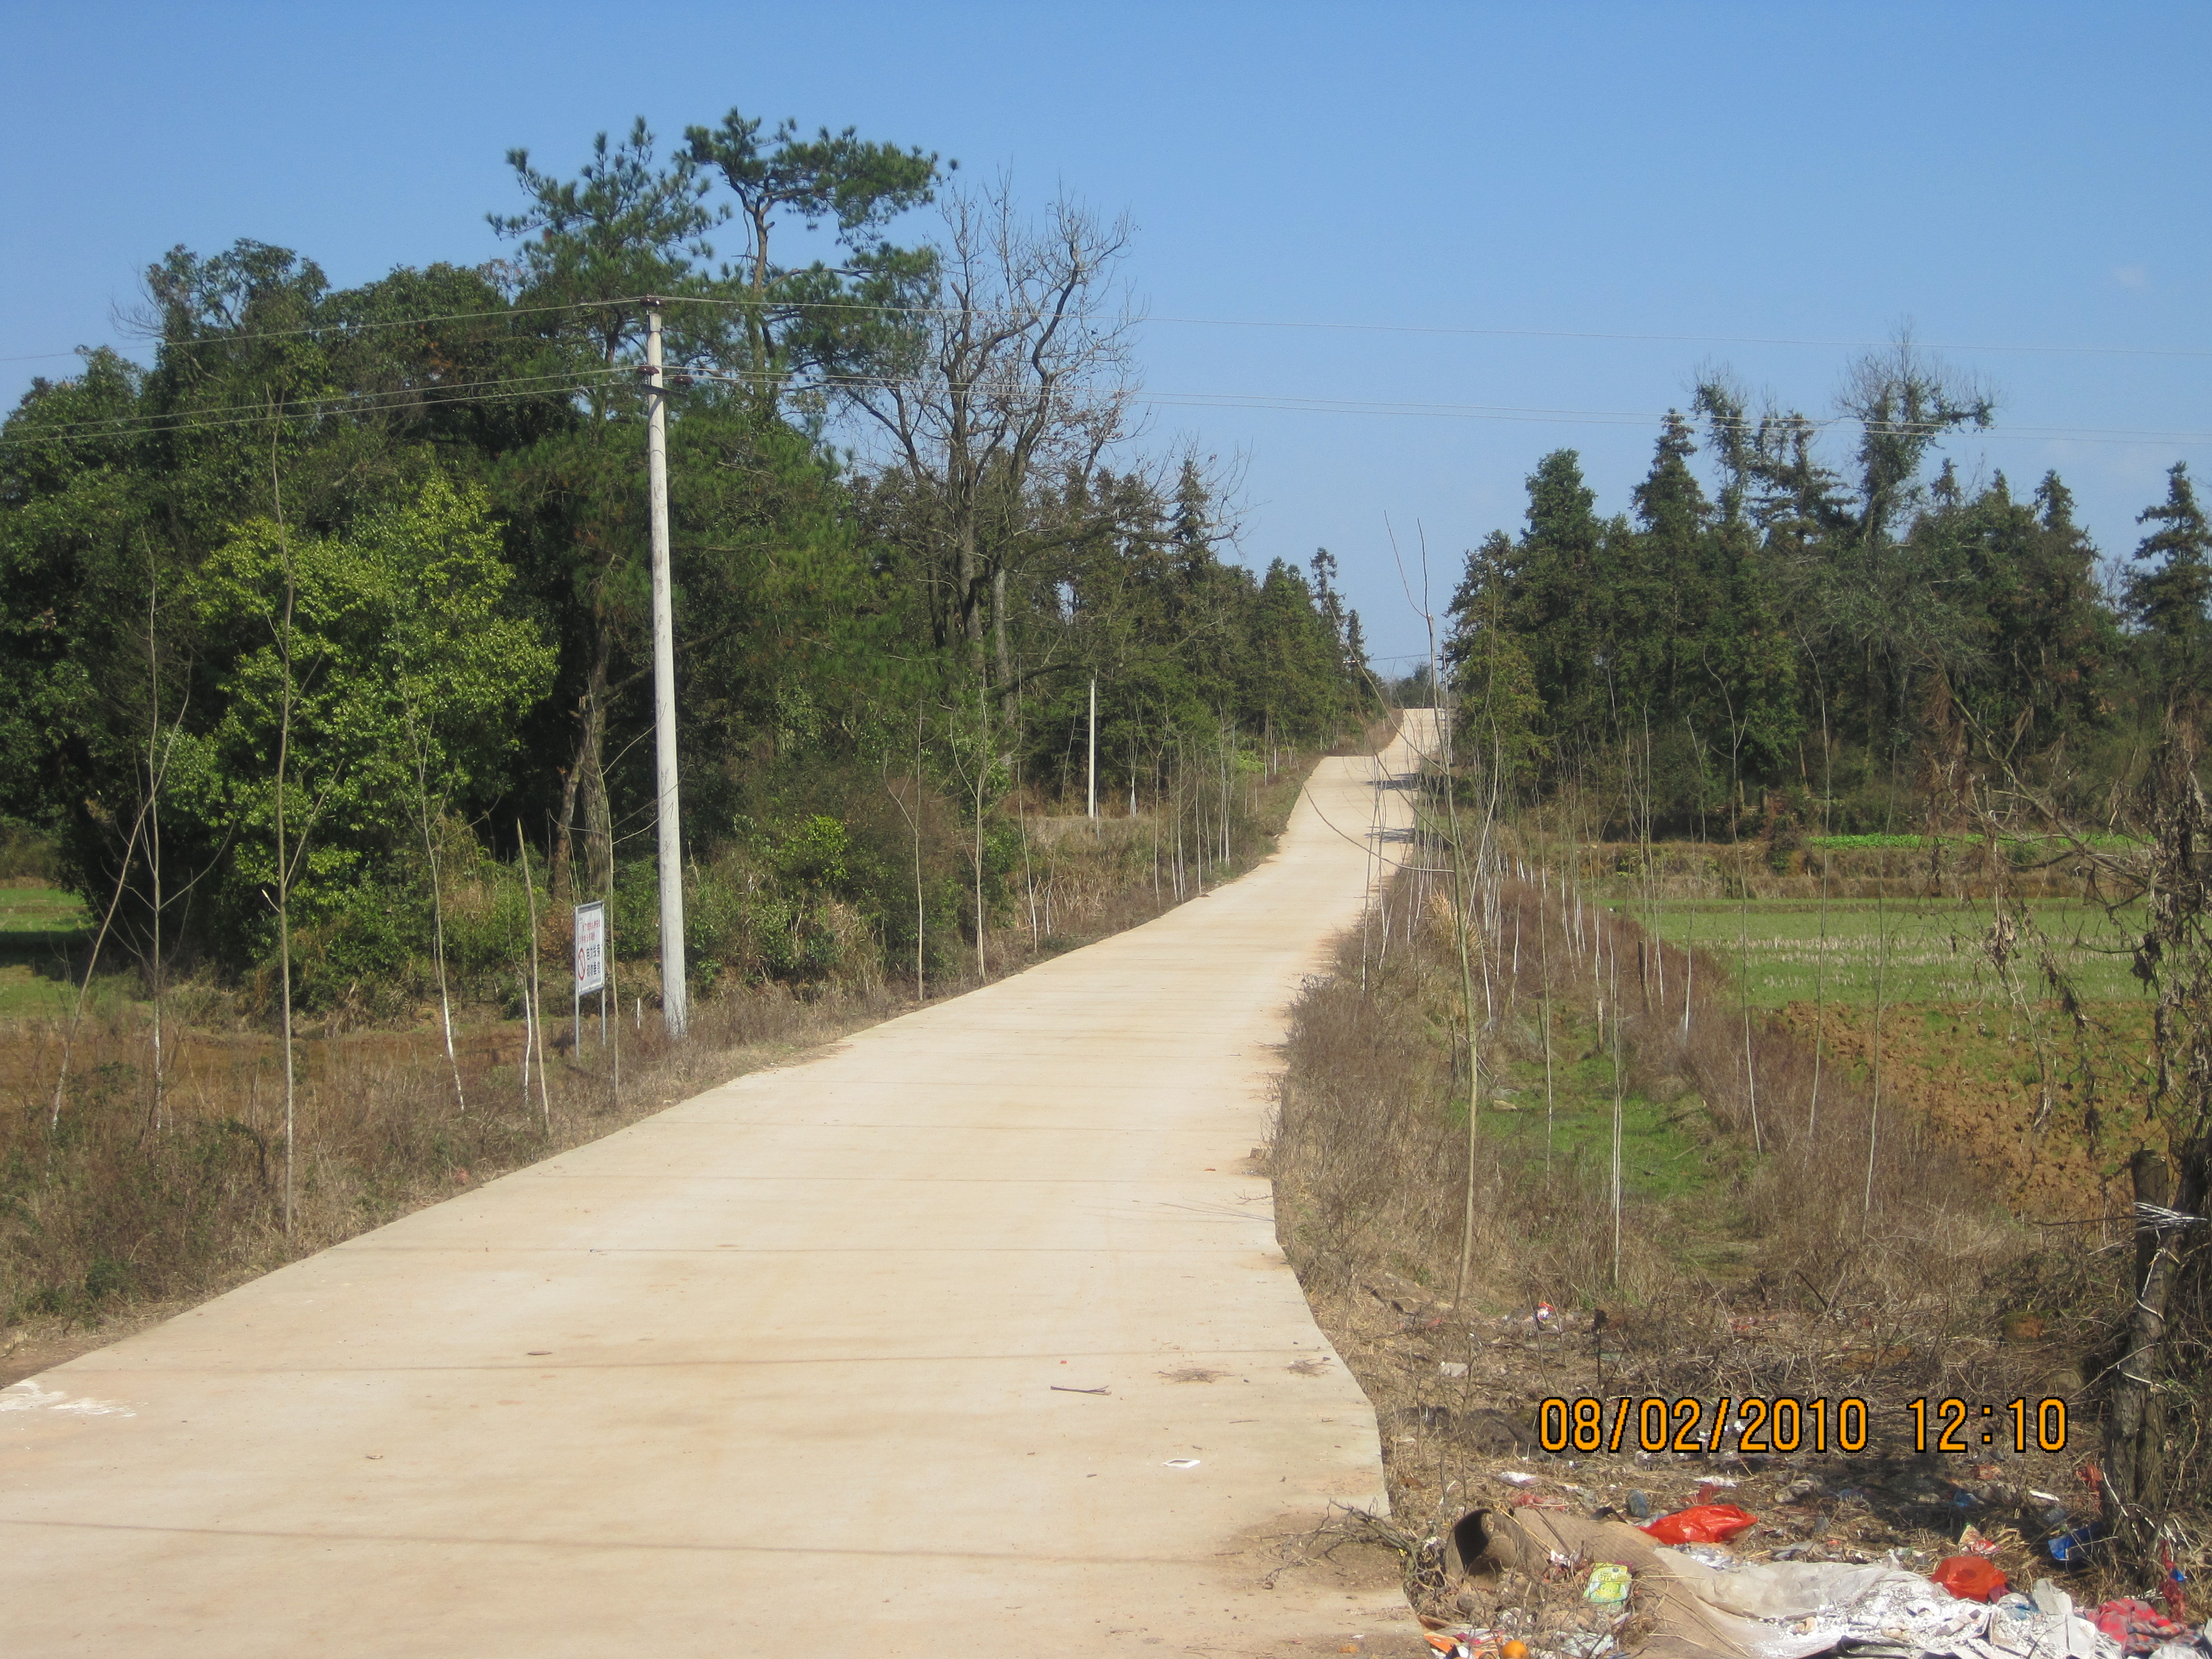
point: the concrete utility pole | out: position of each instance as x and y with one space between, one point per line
675 1002
1094 745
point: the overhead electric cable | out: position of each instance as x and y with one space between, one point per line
341 328
257 413
1138 320
460 392
1292 402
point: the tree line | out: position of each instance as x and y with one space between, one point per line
1784 645
350 586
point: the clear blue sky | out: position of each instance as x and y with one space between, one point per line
2011 174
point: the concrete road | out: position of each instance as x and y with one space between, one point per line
969 1338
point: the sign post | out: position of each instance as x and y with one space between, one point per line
591 966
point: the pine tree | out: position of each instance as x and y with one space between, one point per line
1194 520
1676 521
2167 598
1501 714
1554 581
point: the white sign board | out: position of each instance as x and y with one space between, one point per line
590 946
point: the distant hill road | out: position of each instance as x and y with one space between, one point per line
801 1366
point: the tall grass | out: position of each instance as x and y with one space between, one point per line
105 1206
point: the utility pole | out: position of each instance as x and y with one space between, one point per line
674 999
1094 745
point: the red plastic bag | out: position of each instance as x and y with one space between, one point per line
1970 1577
1704 1523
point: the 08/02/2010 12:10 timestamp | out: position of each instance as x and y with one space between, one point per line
1786 1424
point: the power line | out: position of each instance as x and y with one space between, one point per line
340 329
546 384
1300 403
1137 320
1689 339
312 408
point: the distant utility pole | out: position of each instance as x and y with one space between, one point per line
674 999
1094 745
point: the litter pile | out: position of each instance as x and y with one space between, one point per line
1461 1402
1672 1589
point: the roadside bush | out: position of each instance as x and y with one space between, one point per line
488 929
360 956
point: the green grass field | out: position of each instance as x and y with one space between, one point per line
39 910
37 926
1935 949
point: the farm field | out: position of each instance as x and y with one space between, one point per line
1909 949
2050 1110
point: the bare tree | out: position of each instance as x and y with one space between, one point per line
912 814
1019 371
160 748
429 814
533 1004
289 857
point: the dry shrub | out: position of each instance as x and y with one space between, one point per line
1370 1150
106 1203
1857 1218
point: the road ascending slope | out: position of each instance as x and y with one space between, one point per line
799 1366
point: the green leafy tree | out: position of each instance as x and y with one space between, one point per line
1750 663
628 225
72 579
403 668
1295 671
2034 646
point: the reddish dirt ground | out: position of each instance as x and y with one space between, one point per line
1972 1072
